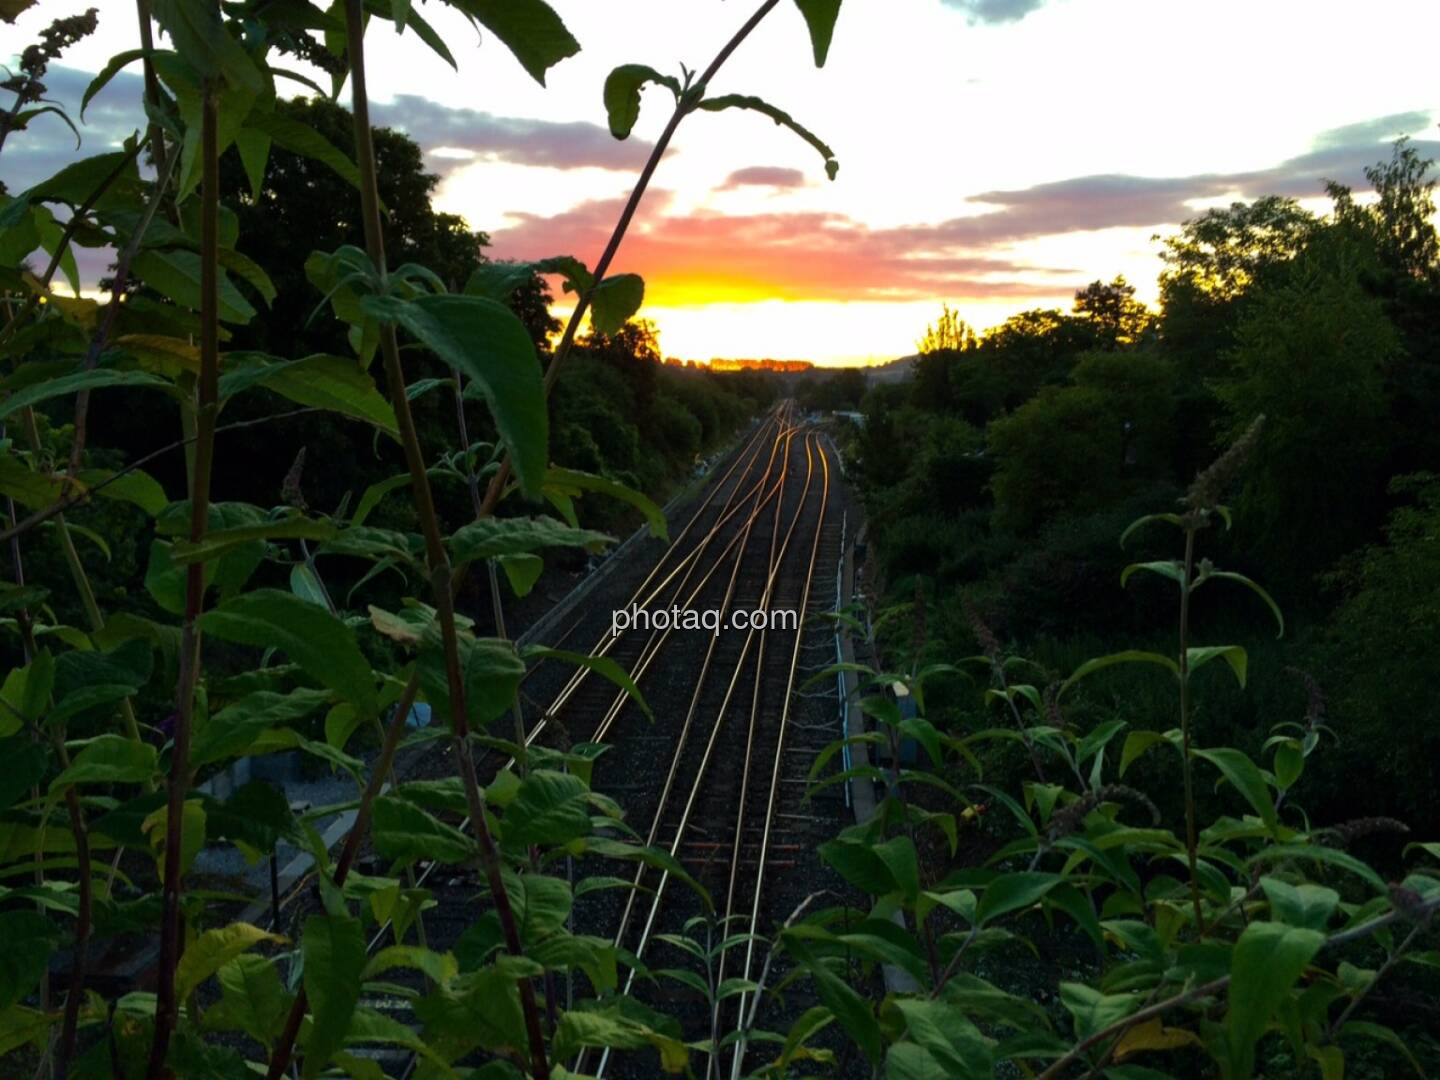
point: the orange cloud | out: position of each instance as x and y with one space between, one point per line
710 257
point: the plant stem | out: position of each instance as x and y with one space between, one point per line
954 964
439 563
582 302
1186 766
152 86
80 961
207 406
285 1045
1334 1029
472 481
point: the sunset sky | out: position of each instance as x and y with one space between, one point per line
995 154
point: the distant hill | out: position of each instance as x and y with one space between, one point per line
894 371
787 366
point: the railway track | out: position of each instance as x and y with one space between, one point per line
719 779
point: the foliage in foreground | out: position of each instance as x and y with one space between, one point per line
242 648
108 726
1207 937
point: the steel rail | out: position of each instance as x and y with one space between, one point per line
697 692
739 1053
534 732
773 567
785 432
751 449
689 564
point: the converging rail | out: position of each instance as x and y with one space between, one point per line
719 780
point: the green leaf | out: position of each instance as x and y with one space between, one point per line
77 183
333 950
66 385
323 646
1380 1033
529 28
851 1010
108 759
254 149
257 816
572 482
1094 1010
1128 656
549 809
26 693
374 494
1319 853
608 1026
1265 964
1169 519
948 1035
603 666
112 67
1199 656
490 671
300 139
426 33
27 939
622 95
204 956
305 583
231 730
249 271
176 274
252 999
403 832
492 537
862 864
202 38
1257 590
1167 569
1306 905
1289 763
1246 778
192 834
615 300
820 16
487 343
333 383
781 118
1137 742
222 541
522 571
540 903
1012 892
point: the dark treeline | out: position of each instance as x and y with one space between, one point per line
999 477
616 410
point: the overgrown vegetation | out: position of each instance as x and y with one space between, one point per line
1030 449
1251 934
128 688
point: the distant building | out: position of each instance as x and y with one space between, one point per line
789 366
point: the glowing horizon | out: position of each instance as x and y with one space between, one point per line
985 161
